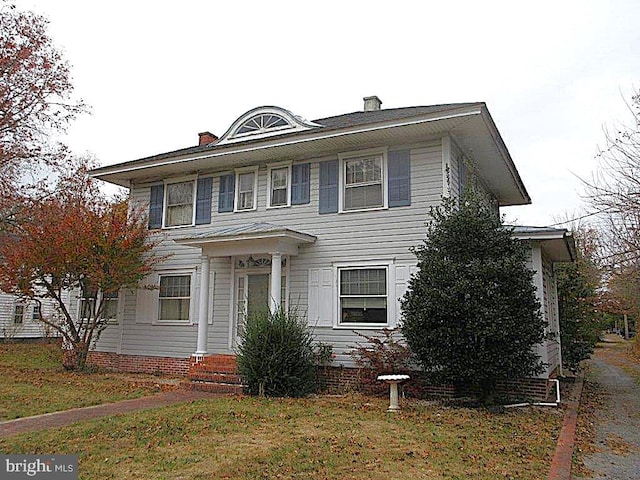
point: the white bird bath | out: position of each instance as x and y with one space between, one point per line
393 381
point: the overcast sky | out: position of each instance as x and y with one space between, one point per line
553 73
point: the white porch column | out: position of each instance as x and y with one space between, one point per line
276 281
203 307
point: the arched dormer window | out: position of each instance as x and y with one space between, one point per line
264 122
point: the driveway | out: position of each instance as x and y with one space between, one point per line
617 415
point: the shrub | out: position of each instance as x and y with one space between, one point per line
382 354
276 355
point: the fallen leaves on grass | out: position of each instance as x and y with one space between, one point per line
317 437
34 382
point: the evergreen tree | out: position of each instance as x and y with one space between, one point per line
471 314
581 320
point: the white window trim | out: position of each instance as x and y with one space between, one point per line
387 265
342 158
190 178
263 131
98 300
238 172
278 166
33 312
119 308
193 315
22 315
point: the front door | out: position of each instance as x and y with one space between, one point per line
252 295
257 292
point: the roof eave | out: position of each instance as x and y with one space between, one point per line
298 237
552 238
497 138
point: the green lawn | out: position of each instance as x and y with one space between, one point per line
34 382
323 437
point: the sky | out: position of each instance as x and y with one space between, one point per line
554 74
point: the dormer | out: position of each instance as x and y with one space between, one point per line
263 122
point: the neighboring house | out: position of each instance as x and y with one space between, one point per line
20 319
319 215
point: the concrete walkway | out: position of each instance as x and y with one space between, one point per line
617 420
67 417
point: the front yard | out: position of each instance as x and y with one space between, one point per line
34 382
324 437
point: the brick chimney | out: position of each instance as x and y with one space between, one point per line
206 138
372 103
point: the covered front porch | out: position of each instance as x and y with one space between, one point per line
260 254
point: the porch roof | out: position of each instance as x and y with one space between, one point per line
247 239
557 242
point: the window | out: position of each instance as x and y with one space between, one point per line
18 313
110 306
363 296
179 204
175 297
279 186
36 313
366 180
246 190
262 123
363 183
88 304
91 301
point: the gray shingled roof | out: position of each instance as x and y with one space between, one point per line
362 118
340 121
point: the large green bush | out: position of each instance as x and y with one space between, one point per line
470 314
276 355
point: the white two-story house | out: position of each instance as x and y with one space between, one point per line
21 319
318 214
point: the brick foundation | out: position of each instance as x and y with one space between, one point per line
140 364
330 379
341 380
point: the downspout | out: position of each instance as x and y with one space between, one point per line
541 404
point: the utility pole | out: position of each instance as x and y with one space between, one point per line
626 327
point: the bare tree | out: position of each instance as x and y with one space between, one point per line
613 192
613 195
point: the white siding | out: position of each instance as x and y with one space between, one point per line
346 237
30 328
544 280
